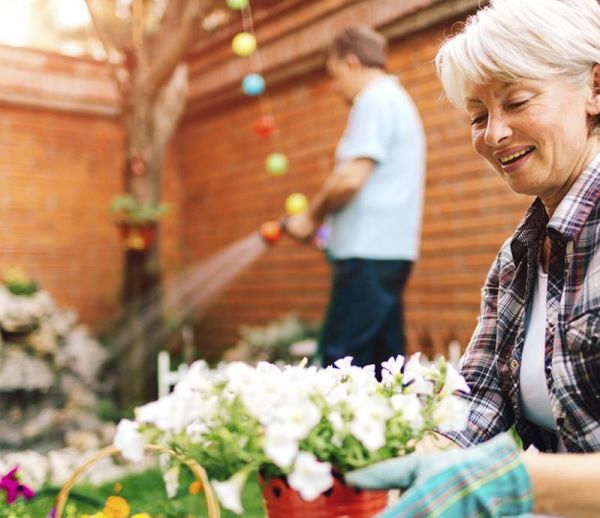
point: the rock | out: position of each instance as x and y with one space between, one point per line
108 432
20 313
62 464
49 370
43 340
20 371
82 440
10 435
42 424
82 355
65 461
79 396
105 470
78 419
33 467
62 321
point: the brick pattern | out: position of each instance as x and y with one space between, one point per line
468 210
59 172
35 78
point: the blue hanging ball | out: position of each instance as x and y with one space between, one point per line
253 84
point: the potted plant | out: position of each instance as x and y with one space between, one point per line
17 282
137 220
301 428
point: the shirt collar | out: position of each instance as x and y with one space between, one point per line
568 218
574 209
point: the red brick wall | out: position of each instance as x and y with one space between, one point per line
59 172
468 211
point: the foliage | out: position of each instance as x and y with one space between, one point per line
273 342
18 282
128 209
143 491
299 422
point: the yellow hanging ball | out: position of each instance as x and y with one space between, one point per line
243 44
296 203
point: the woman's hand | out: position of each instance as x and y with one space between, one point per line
487 480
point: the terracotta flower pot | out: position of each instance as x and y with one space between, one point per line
341 501
137 237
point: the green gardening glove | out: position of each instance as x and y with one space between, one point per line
488 480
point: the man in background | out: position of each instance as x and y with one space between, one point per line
372 202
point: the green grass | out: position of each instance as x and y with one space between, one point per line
145 492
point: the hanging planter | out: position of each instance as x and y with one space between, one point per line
340 501
137 221
137 237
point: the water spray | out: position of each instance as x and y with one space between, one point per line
271 232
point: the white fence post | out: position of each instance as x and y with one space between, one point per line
166 377
454 353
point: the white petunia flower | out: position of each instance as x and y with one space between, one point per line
454 381
394 365
129 441
299 417
451 414
170 413
229 492
410 406
171 479
344 364
337 421
280 447
196 431
415 376
310 477
369 431
239 375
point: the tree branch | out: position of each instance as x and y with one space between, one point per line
169 106
108 47
174 48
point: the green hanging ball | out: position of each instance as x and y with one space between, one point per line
237 4
277 164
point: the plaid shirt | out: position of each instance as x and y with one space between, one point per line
492 362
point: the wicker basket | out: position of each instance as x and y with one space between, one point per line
212 504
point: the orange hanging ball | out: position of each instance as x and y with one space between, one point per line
271 231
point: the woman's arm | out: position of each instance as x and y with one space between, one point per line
565 484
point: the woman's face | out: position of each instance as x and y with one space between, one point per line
535 133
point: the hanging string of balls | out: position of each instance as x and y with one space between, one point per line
244 44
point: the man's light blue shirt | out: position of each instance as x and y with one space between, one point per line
383 221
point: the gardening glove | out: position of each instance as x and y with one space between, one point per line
486 480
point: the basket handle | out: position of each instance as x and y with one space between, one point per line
211 501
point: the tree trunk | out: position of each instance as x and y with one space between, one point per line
150 123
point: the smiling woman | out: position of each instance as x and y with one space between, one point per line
535 132
528 76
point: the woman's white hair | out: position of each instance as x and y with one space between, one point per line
511 40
